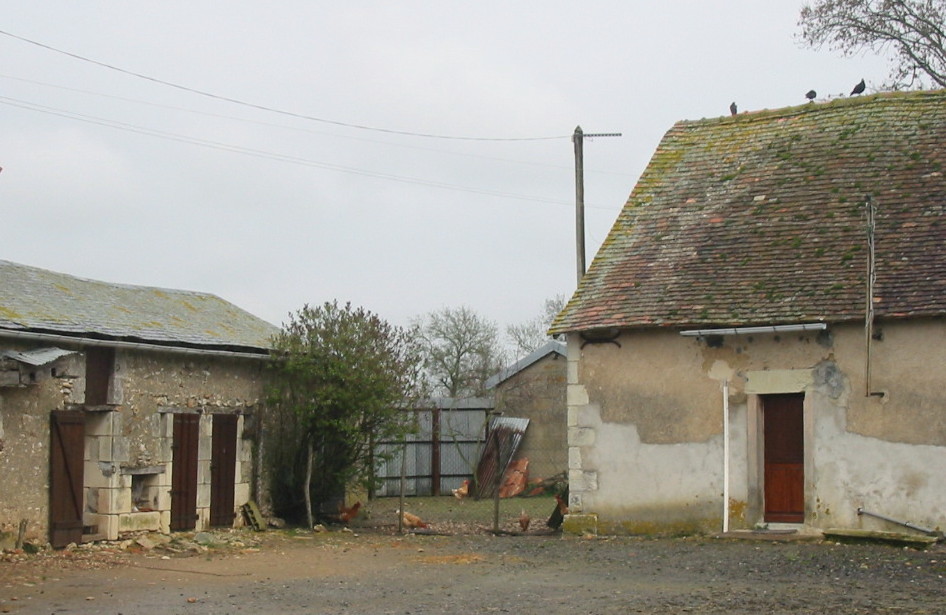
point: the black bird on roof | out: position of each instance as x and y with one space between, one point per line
811 95
732 108
858 88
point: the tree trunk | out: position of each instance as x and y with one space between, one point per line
308 487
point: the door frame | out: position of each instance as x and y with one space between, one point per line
223 459
773 382
185 445
66 476
782 460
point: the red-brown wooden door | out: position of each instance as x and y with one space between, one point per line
784 454
184 472
222 469
66 461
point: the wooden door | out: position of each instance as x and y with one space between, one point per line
184 472
223 469
784 454
66 461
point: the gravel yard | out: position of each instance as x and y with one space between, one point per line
371 569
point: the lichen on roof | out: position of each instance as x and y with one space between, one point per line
760 219
38 300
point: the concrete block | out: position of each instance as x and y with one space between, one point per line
574 458
203 518
163 494
98 474
576 395
165 521
582 480
104 448
203 472
204 448
581 436
99 424
572 372
112 501
139 521
203 496
582 524
241 494
572 416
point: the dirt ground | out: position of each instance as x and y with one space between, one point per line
373 570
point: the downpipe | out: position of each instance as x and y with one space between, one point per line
925 530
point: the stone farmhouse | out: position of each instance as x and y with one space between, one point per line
122 408
760 341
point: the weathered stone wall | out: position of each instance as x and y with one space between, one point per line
128 446
537 393
646 426
24 444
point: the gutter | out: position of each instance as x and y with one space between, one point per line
816 326
88 341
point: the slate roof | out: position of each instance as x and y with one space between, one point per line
38 300
760 219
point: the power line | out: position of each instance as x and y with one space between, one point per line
300 129
21 104
266 108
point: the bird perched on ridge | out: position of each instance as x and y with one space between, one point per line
860 87
811 95
732 108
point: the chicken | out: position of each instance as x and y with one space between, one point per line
462 491
413 521
524 520
558 514
347 514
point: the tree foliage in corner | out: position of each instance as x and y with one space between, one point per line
461 351
340 382
532 334
912 29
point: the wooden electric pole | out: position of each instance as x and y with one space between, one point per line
578 139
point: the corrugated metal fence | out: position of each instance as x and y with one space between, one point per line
444 451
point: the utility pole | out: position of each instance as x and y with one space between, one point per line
578 139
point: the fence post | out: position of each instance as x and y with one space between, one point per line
435 451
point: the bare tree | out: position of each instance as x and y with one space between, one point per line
528 336
460 348
912 29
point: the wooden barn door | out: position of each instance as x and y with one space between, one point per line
784 454
66 461
223 469
184 472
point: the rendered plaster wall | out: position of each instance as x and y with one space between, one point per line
538 394
645 426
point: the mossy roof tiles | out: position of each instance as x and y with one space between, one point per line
760 219
38 300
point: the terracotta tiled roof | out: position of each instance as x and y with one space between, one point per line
760 219
38 300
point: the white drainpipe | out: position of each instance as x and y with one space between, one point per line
725 456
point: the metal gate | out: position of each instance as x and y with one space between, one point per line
66 460
441 454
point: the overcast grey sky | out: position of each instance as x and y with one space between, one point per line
116 177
